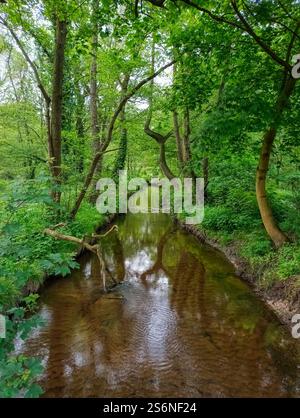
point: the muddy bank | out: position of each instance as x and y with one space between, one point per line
283 297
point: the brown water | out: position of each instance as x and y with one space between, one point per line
180 325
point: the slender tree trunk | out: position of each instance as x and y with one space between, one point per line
95 127
163 162
183 142
186 137
56 107
120 160
80 130
178 140
176 125
121 157
94 108
205 175
186 144
273 230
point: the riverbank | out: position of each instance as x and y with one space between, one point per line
29 259
282 296
104 223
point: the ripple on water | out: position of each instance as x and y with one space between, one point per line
182 324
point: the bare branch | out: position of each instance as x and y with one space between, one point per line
95 249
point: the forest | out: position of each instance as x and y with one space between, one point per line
161 88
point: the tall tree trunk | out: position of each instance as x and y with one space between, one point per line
176 125
122 152
178 140
183 142
186 137
186 144
56 107
205 175
95 125
80 130
273 230
163 162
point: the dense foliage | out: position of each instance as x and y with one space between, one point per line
88 88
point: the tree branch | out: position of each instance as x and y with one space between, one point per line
84 244
158 3
215 17
257 39
244 26
107 141
128 97
29 61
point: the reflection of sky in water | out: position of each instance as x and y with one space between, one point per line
87 270
156 321
67 370
160 282
137 264
80 359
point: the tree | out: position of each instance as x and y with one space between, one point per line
247 20
53 104
108 137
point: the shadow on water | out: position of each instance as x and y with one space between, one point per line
179 324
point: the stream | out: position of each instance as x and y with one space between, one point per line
179 324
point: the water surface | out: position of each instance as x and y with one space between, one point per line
180 324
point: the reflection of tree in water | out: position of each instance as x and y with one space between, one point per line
224 311
158 265
113 255
221 310
190 337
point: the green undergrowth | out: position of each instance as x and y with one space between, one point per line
27 256
232 219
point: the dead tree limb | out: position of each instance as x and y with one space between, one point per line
94 248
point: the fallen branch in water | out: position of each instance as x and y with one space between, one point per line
95 248
114 227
